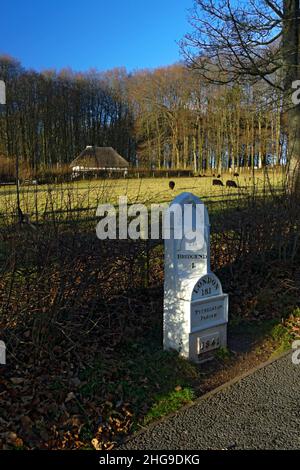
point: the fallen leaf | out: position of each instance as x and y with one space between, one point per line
96 444
70 396
17 380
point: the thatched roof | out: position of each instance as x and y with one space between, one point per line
99 158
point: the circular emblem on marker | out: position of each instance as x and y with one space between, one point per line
206 286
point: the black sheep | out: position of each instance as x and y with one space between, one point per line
217 183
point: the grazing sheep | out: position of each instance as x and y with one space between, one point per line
217 183
171 184
231 184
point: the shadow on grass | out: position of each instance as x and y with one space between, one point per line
156 383
95 303
152 381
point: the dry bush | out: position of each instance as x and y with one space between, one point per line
60 282
7 169
53 174
68 299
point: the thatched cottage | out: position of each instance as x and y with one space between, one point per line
98 160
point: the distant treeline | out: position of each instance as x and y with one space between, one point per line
167 118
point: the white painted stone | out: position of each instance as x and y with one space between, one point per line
183 259
199 350
209 306
2 92
194 303
2 353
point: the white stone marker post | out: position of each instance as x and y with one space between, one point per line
195 308
2 92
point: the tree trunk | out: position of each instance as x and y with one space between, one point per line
293 168
290 44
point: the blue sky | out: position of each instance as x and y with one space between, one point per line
103 34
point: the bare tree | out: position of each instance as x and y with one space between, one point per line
256 40
171 117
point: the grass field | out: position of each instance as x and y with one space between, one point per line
84 194
83 318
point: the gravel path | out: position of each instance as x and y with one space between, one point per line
261 411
